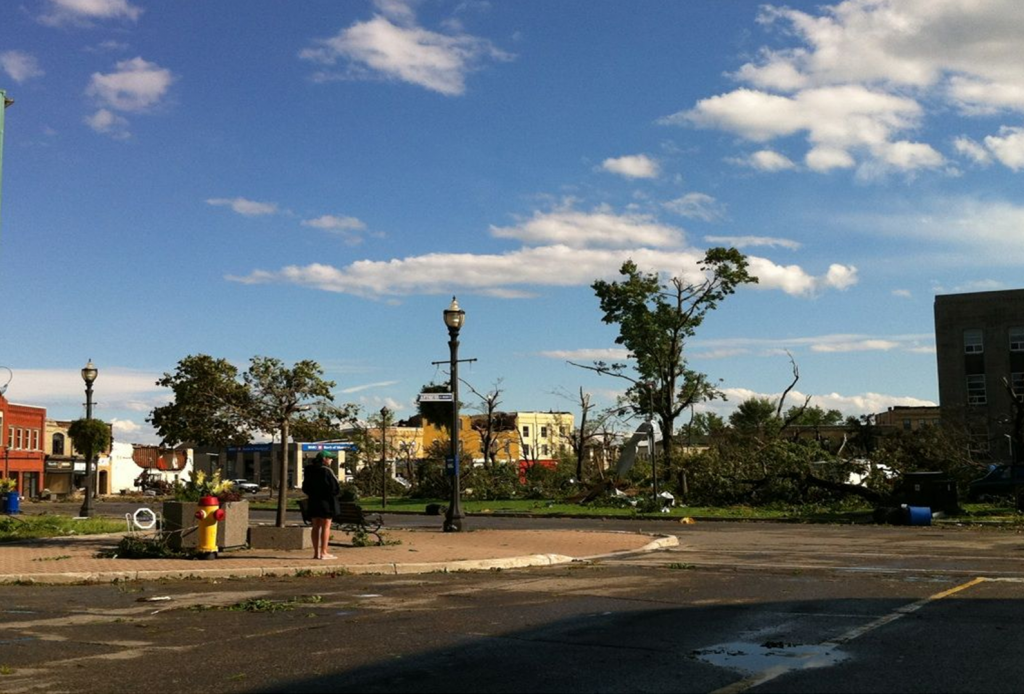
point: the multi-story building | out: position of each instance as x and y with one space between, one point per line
65 467
979 342
908 418
23 429
544 435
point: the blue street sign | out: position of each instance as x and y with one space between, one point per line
341 446
251 448
451 465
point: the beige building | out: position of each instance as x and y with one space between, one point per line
64 467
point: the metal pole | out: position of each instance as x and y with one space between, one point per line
86 510
383 457
5 101
453 518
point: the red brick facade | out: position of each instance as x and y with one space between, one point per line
22 434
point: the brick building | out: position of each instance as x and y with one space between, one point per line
979 342
22 441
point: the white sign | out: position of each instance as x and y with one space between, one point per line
436 397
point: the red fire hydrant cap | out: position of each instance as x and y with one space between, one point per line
209 501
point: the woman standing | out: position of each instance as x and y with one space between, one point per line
321 486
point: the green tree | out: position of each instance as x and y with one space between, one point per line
655 320
277 394
209 404
90 436
755 416
212 407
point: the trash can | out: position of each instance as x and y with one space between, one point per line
919 515
934 490
12 503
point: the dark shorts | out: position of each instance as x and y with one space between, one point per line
320 508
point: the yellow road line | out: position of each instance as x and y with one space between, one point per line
767 676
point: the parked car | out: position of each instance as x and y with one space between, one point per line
245 486
999 481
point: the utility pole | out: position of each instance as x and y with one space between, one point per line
7 101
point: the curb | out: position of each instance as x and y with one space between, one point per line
388 568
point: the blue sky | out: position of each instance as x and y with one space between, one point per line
315 180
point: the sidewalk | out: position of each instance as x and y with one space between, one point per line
75 560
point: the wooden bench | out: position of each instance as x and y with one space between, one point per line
351 518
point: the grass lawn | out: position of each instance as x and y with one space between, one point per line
13 528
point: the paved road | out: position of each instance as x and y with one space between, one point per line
736 607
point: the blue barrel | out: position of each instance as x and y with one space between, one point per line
13 503
919 515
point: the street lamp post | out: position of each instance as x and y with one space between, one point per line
383 457
454 318
89 374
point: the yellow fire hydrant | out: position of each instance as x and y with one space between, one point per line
208 514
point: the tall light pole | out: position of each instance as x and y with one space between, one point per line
383 457
454 318
89 374
5 101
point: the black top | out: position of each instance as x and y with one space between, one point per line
321 486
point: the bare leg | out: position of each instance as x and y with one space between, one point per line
316 531
326 540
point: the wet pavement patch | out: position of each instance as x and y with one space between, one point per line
774 656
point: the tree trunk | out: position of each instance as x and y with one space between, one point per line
282 477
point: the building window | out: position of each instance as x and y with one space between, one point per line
544 450
907 425
1017 339
10 437
976 390
21 438
543 432
1017 384
35 439
58 444
526 432
973 341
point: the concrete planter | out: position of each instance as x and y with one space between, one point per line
180 525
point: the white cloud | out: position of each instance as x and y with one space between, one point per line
696 206
601 227
632 166
20 66
792 279
821 344
345 227
849 405
122 388
969 50
1008 148
824 159
124 427
82 11
403 51
766 160
136 85
610 355
855 74
108 122
972 150
864 345
367 386
972 231
902 293
243 206
507 275
751 241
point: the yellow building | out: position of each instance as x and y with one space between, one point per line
514 436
